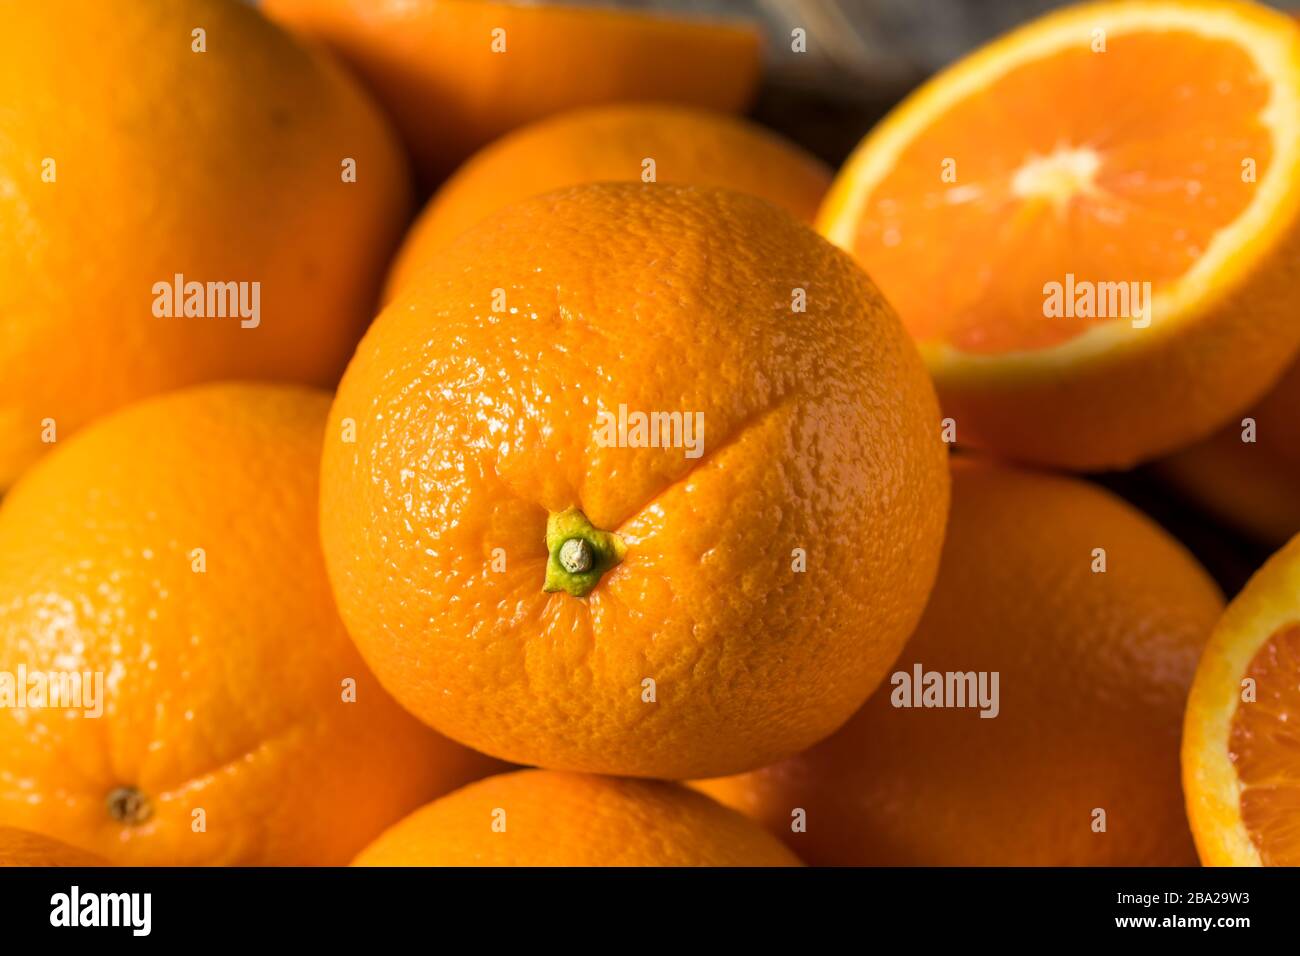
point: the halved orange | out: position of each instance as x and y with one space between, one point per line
1241 738
1091 226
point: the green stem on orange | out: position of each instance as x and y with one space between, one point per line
580 553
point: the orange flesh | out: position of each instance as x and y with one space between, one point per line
1148 168
1264 746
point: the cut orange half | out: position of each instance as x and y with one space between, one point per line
1241 737
1091 226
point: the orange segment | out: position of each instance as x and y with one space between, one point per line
1075 234
1241 743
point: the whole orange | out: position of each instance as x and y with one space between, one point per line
1249 484
1077 763
21 848
538 568
629 141
456 74
163 565
545 818
131 162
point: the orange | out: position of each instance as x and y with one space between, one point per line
545 818
165 560
1091 225
20 848
1093 669
1241 755
456 74
685 145
149 161
1251 485
531 570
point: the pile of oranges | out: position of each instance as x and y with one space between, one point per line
655 496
